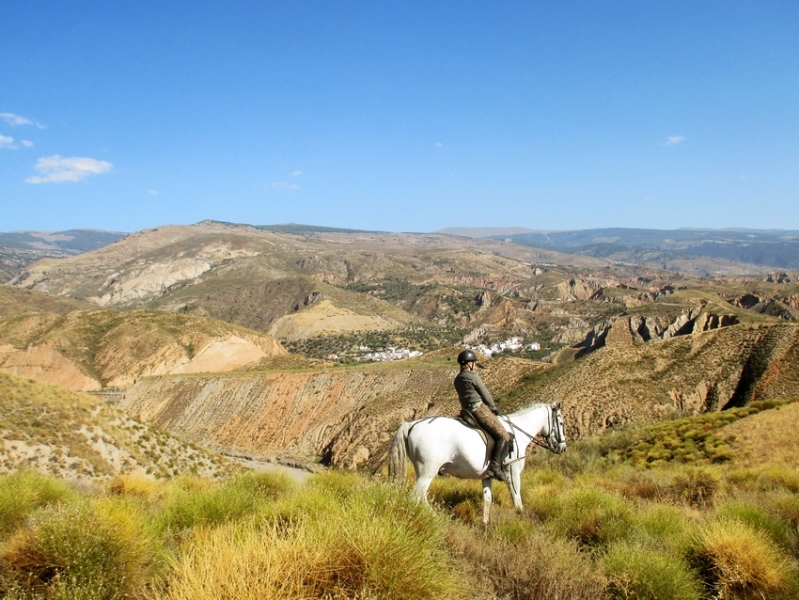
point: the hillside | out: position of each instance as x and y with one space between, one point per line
78 436
19 301
347 415
91 350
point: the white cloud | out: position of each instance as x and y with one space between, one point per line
27 143
296 173
673 140
439 144
649 199
285 186
55 169
154 192
7 142
13 119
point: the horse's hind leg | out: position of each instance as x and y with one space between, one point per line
423 482
488 497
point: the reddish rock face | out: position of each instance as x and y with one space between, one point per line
746 301
791 301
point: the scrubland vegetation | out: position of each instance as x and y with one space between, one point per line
614 517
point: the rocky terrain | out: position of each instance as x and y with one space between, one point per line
82 437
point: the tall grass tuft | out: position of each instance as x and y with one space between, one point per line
97 550
373 544
592 517
23 492
527 565
737 561
644 573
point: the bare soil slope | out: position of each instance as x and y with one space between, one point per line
90 350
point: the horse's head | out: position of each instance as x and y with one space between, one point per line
556 438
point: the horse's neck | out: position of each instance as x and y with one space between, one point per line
532 421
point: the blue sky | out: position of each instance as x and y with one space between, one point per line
400 116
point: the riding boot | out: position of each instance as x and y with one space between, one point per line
498 457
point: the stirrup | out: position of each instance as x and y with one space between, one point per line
496 472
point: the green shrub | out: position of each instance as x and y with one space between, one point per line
640 572
588 515
92 550
662 526
263 485
218 504
23 492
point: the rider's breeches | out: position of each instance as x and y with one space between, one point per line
490 423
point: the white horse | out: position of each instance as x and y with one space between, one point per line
442 445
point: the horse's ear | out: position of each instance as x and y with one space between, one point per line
556 405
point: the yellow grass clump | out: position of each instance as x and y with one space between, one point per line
739 562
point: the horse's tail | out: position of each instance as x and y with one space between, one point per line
398 455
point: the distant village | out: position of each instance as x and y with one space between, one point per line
513 343
390 353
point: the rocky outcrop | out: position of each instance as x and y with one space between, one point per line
581 288
791 301
777 277
638 328
746 301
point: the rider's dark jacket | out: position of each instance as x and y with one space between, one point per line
472 391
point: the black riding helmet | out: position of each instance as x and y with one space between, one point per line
466 356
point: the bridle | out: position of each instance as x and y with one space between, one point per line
554 439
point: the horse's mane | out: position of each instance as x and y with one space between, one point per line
527 409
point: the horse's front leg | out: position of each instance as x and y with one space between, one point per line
487 499
515 485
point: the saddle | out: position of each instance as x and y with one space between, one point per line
467 418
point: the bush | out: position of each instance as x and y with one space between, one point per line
92 550
137 485
23 492
737 561
590 516
185 509
640 572
696 486
266 486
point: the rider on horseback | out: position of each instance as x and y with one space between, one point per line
476 399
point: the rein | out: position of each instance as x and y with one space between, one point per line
533 438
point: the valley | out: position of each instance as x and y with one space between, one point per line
192 325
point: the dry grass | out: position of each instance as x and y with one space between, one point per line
737 561
778 426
